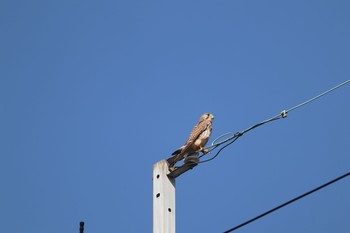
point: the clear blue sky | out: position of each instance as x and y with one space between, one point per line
93 93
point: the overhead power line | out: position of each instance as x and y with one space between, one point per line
287 203
320 95
283 114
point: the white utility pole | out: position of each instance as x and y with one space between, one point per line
164 193
163 199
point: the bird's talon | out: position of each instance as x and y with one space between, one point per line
204 151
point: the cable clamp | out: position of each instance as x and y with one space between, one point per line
238 134
284 114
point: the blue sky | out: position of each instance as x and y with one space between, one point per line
93 93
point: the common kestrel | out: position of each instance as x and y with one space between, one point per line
198 138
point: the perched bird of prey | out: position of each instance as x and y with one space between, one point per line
198 138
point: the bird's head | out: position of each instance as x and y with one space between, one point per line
206 116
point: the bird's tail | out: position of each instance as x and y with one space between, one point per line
176 156
171 161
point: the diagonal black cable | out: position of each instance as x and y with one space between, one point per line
287 203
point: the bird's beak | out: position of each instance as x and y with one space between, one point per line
212 116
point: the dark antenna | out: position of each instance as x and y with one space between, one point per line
81 228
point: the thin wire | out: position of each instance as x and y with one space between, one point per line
288 202
320 95
232 139
207 160
283 114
